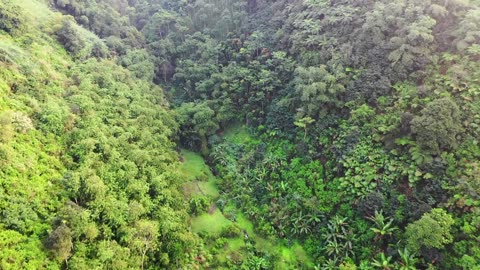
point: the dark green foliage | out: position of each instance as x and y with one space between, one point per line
70 37
231 231
318 90
197 122
79 42
60 242
348 128
438 125
12 20
105 19
199 205
371 203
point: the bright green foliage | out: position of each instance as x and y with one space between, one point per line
139 62
383 262
19 252
432 230
303 123
333 128
144 238
88 171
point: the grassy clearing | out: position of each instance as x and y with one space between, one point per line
199 180
211 223
294 255
245 224
193 165
237 134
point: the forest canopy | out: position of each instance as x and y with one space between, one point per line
239 134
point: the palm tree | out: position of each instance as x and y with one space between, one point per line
281 230
295 229
330 264
261 174
305 228
220 154
314 219
337 227
333 248
383 262
283 186
408 260
383 226
257 263
339 239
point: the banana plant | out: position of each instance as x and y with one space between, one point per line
383 262
408 260
383 226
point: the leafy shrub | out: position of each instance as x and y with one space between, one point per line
199 205
438 125
231 231
70 37
430 231
12 20
53 118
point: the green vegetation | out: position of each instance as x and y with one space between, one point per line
228 233
249 134
88 172
212 223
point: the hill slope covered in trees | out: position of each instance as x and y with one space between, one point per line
343 133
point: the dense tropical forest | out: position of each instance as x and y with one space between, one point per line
240 134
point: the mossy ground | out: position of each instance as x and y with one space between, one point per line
210 222
199 180
237 134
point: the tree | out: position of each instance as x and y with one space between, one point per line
318 90
468 30
139 62
437 127
339 238
197 122
144 238
432 230
412 45
70 37
60 242
303 123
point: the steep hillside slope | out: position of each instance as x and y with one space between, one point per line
88 172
